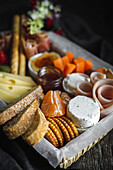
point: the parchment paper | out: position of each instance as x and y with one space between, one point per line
54 155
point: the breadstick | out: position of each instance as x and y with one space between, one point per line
22 66
15 45
22 57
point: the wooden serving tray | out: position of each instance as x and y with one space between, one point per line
62 45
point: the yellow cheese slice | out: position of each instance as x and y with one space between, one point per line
15 89
6 96
16 79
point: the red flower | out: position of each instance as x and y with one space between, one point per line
59 32
33 3
49 22
3 57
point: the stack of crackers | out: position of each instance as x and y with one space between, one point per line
61 130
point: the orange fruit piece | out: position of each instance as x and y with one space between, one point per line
52 105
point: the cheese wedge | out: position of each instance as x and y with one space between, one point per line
16 79
14 89
7 96
15 76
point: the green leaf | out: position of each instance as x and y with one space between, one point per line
35 25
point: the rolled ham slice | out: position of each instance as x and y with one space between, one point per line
103 94
44 46
43 42
41 37
30 48
95 76
84 88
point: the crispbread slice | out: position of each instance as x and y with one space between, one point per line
37 129
21 122
18 105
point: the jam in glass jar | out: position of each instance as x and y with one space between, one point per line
50 78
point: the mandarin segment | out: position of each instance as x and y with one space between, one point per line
59 104
52 105
65 98
48 106
59 92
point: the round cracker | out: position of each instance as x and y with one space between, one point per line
71 133
57 127
74 129
57 134
64 130
50 136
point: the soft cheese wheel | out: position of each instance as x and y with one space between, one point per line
83 111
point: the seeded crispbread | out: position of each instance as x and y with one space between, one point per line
21 122
37 129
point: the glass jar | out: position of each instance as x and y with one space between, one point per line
50 78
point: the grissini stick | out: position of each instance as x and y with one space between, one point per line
15 45
22 66
22 57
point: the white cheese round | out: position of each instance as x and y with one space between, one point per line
83 111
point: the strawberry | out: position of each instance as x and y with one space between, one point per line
3 57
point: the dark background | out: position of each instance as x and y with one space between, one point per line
87 23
